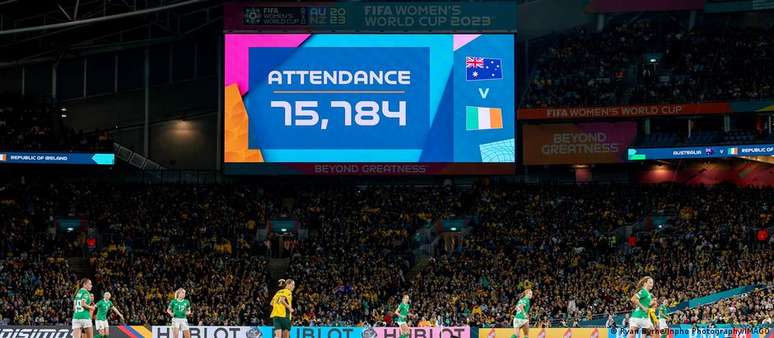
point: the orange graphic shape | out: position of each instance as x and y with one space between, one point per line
496 118
236 131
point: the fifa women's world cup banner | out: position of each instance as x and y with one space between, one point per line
653 110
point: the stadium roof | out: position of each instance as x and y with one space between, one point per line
31 30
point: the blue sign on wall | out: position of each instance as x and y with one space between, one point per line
57 158
725 151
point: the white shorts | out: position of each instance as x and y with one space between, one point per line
101 324
662 324
180 323
518 323
641 323
81 323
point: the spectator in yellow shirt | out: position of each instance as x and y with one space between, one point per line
477 310
424 323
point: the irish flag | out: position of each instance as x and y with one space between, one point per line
482 118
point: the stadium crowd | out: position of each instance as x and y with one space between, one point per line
362 251
649 62
755 308
357 260
558 240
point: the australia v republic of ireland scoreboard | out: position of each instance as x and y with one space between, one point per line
369 103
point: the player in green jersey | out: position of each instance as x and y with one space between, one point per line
641 300
402 314
101 322
521 317
81 307
662 312
179 308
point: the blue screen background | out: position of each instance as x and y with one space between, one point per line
436 101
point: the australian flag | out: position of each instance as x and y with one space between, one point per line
481 68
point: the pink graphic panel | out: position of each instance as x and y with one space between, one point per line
463 39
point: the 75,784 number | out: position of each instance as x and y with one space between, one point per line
366 113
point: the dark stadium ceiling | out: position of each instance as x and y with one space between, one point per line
43 30
34 30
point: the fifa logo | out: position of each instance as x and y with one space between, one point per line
254 332
369 333
252 16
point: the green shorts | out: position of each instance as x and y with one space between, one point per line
281 323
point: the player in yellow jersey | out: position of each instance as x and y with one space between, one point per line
282 308
652 314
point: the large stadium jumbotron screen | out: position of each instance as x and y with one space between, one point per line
368 103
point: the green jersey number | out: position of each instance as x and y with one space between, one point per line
77 305
79 311
179 308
